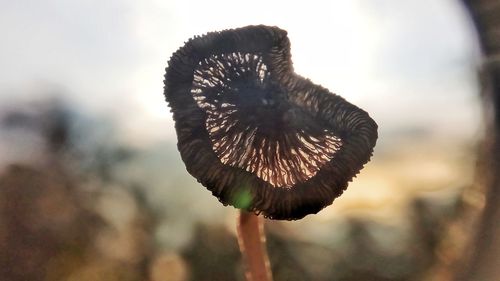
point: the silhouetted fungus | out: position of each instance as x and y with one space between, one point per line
257 135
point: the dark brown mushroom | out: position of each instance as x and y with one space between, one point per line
258 136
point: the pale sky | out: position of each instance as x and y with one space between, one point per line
410 64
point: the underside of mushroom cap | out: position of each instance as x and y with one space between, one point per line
257 135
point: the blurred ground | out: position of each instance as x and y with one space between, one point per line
76 204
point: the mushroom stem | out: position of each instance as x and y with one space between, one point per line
252 241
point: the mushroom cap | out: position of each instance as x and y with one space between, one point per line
258 136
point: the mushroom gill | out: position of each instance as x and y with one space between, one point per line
256 134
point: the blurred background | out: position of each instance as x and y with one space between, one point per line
92 186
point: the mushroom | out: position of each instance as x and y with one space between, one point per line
260 137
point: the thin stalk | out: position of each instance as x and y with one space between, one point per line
252 242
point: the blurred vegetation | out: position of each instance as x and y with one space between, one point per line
482 261
66 213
